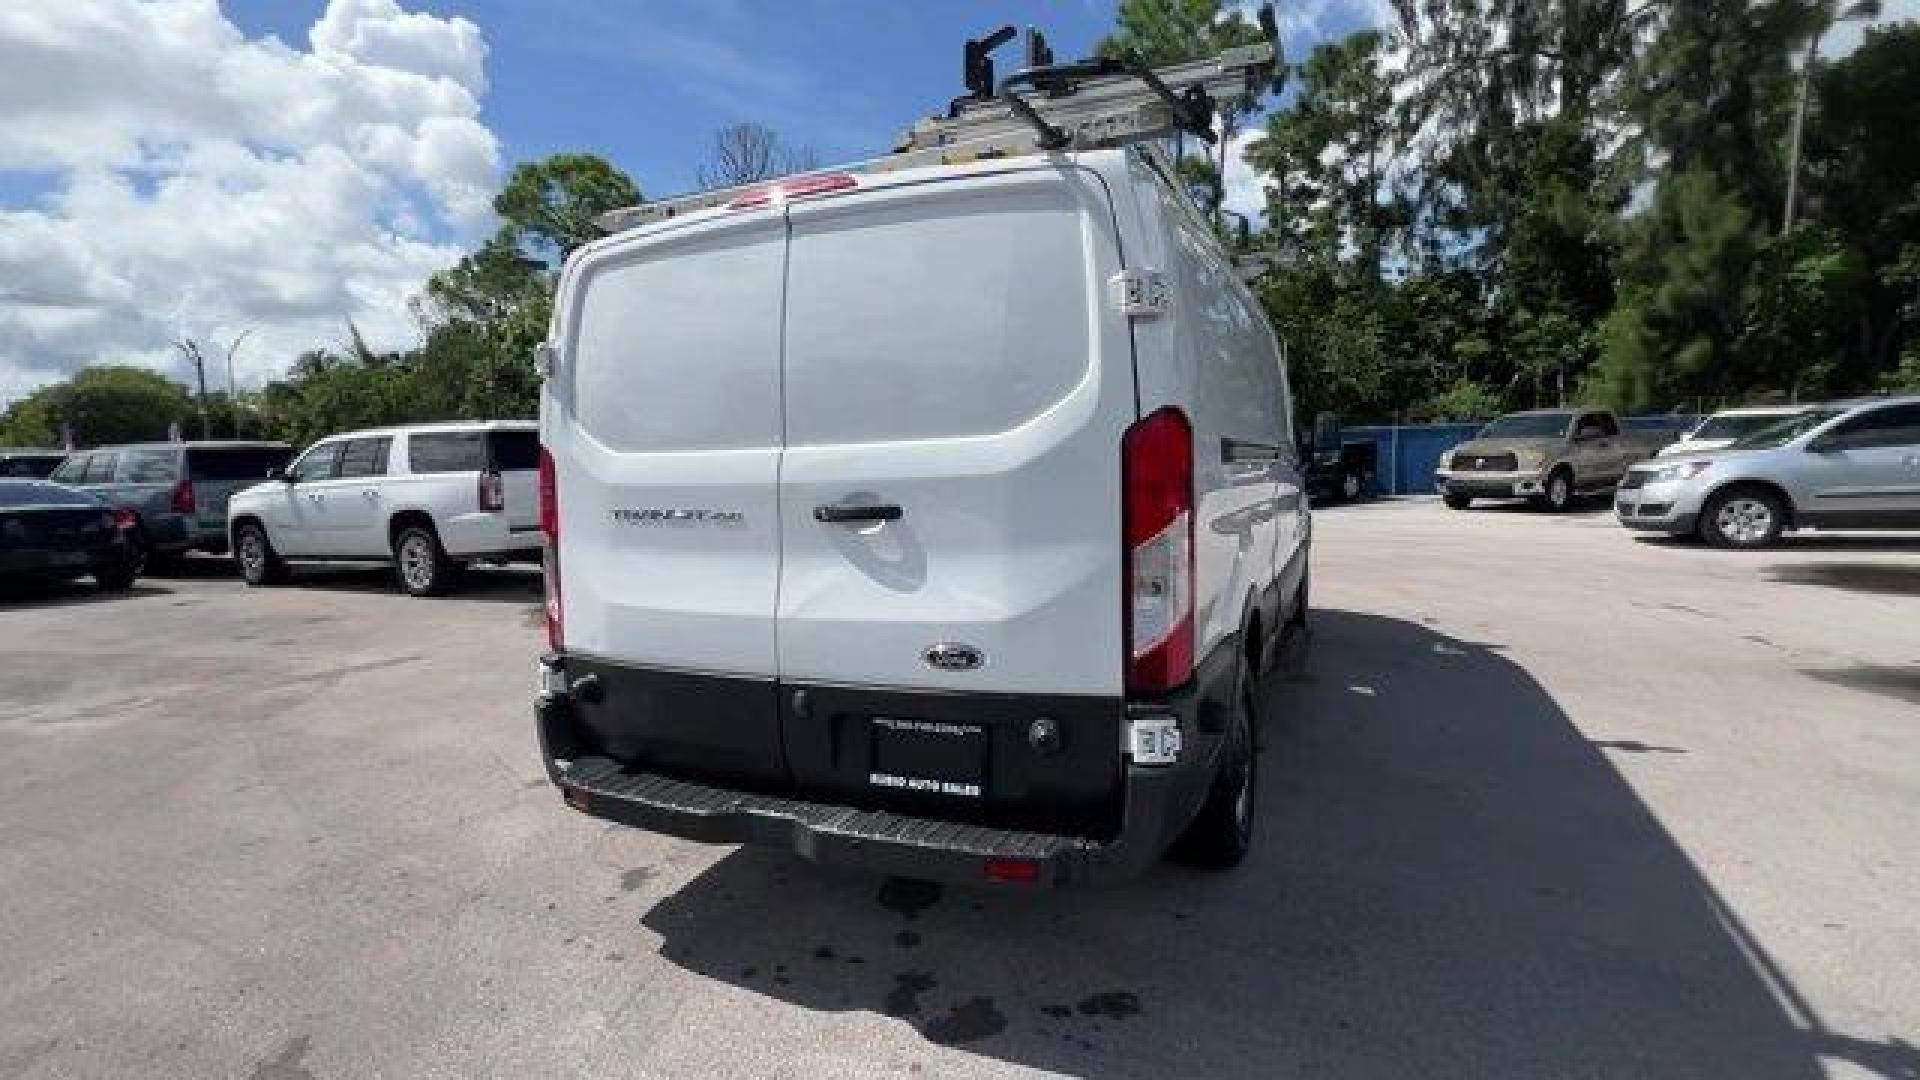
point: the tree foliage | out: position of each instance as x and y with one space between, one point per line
745 153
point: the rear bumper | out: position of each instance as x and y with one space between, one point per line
487 534
1157 802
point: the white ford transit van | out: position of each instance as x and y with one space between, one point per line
939 521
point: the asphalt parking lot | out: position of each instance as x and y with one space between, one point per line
1545 801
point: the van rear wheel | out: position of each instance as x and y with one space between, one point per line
1222 832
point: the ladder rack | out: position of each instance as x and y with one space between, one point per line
1090 104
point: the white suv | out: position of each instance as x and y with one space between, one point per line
427 497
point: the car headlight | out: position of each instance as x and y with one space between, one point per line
1686 470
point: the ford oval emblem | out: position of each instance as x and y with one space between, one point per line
953 656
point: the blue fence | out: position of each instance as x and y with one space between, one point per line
1409 453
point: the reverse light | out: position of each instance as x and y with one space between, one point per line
182 501
796 187
550 550
1157 525
493 492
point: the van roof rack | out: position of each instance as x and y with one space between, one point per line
1045 107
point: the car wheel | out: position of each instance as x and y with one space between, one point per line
1222 832
117 577
422 563
253 553
1559 493
1457 502
1743 518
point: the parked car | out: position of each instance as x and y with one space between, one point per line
1724 428
177 491
900 526
1548 456
1338 469
18 463
1847 465
427 498
53 533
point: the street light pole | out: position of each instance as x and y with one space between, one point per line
191 351
1862 10
233 392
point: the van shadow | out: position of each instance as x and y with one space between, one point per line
1450 880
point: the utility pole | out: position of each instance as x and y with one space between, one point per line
191 351
1861 10
233 392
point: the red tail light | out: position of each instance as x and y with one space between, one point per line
493 494
123 518
550 552
1157 480
182 502
1012 871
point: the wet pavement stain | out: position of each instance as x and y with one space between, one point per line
1058 1012
908 897
285 1064
904 998
1900 682
1635 746
824 952
636 878
971 1022
1113 1005
906 939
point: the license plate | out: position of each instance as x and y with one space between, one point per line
930 756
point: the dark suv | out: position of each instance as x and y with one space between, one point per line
177 490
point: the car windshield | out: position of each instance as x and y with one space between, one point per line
29 493
1528 426
1791 428
1737 425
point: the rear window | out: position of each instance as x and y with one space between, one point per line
446 451
676 346
514 450
32 466
100 467
236 462
152 465
71 471
900 316
18 493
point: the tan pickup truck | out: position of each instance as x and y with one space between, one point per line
1548 456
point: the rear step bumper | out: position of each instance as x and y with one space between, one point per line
871 840
1159 801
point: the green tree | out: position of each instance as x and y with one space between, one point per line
107 403
550 205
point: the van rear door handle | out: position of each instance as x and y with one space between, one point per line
841 513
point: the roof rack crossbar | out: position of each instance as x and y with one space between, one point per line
1046 107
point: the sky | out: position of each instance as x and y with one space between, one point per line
191 169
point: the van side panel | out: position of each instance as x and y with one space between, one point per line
1214 355
951 351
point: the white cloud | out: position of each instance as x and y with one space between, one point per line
1847 36
1245 188
205 182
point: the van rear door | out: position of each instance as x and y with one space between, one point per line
957 385
664 424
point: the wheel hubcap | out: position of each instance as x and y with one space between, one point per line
252 559
416 562
1351 486
1557 491
1745 521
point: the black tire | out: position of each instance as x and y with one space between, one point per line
117 577
1559 493
1221 834
1743 518
421 563
255 558
1457 502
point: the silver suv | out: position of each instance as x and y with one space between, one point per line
1844 465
